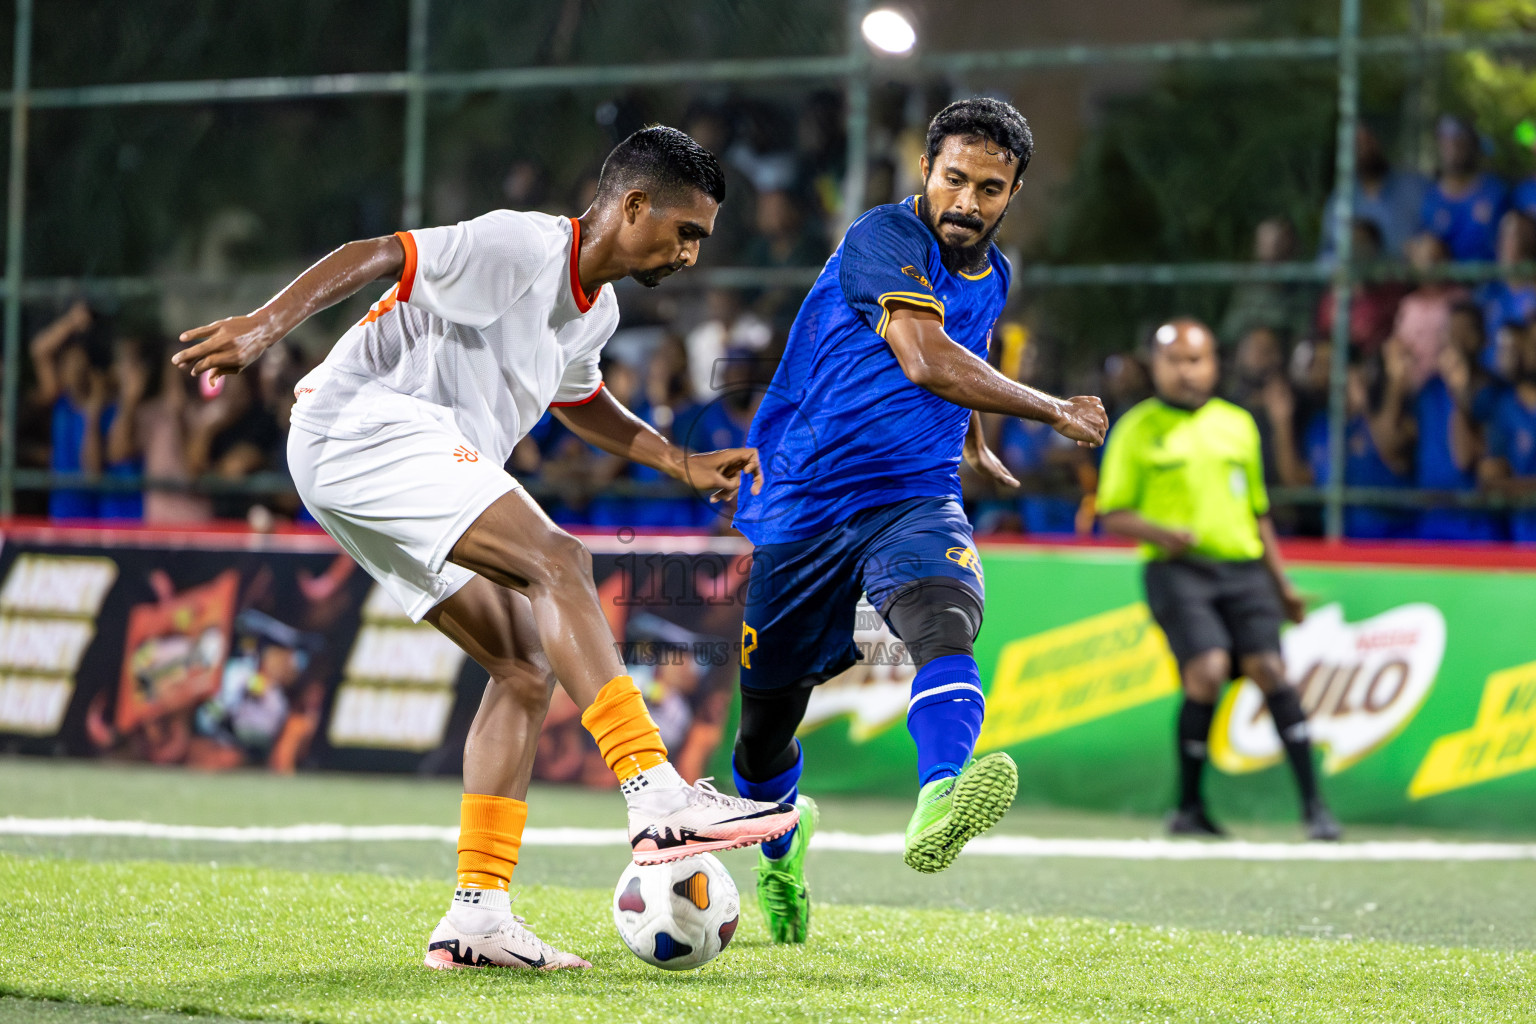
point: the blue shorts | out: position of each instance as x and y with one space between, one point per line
803 595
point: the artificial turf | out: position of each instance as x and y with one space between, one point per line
259 943
153 931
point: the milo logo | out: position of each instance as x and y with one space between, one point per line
1359 683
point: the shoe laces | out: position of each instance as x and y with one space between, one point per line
518 928
705 787
779 890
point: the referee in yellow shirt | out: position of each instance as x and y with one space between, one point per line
1183 475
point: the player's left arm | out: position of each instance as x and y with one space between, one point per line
1295 605
980 456
603 421
935 362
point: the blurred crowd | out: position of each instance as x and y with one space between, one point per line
1441 392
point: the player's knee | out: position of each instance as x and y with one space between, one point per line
1266 670
563 559
1204 675
936 619
529 684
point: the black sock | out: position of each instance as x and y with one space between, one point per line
1194 737
1291 724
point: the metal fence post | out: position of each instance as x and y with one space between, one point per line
415 114
1343 259
15 239
856 174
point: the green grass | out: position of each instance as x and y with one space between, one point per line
152 931
259 943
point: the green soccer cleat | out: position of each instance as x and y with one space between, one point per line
782 894
953 811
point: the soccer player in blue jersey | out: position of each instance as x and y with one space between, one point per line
861 434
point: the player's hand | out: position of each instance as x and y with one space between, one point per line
1177 542
1083 419
985 462
720 472
1295 605
226 346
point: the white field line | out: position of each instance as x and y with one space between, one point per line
848 842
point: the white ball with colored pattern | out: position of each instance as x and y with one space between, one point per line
677 916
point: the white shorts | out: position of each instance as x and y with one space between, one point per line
399 499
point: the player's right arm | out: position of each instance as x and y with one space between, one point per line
232 344
933 361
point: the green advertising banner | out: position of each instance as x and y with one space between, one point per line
1419 682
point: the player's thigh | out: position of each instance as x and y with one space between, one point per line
920 569
495 627
915 541
1183 601
802 602
513 543
1250 607
398 499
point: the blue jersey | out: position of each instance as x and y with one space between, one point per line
1469 226
1512 437
1436 470
841 427
1363 467
1524 198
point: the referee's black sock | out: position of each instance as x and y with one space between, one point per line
1194 738
1291 724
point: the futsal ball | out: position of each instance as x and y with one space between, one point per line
679 915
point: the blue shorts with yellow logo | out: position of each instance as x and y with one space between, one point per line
803 595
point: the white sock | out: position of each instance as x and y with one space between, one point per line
479 911
663 776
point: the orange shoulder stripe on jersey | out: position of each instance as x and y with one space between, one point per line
579 401
383 306
583 302
407 272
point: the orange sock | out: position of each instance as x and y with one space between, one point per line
625 733
490 834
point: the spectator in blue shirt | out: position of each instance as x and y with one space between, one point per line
1464 204
1524 197
1391 199
1449 446
1511 300
1376 443
75 392
1510 465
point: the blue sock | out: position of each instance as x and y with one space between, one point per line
781 789
945 715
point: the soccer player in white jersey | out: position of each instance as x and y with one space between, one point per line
397 447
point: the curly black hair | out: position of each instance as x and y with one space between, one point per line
983 118
664 162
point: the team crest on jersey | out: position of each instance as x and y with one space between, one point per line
966 558
465 454
913 273
748 644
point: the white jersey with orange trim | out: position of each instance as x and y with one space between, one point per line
488 321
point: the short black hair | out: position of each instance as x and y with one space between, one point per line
664 162
983 118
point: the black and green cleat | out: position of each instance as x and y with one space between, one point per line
782 892
953 811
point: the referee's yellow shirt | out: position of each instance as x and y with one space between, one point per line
1199 471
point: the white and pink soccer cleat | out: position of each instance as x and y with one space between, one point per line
510 945
668 823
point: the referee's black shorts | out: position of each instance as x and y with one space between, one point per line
1204 605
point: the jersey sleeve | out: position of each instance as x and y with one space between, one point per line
1253 468
470 272
1120 474
885 262
581 382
